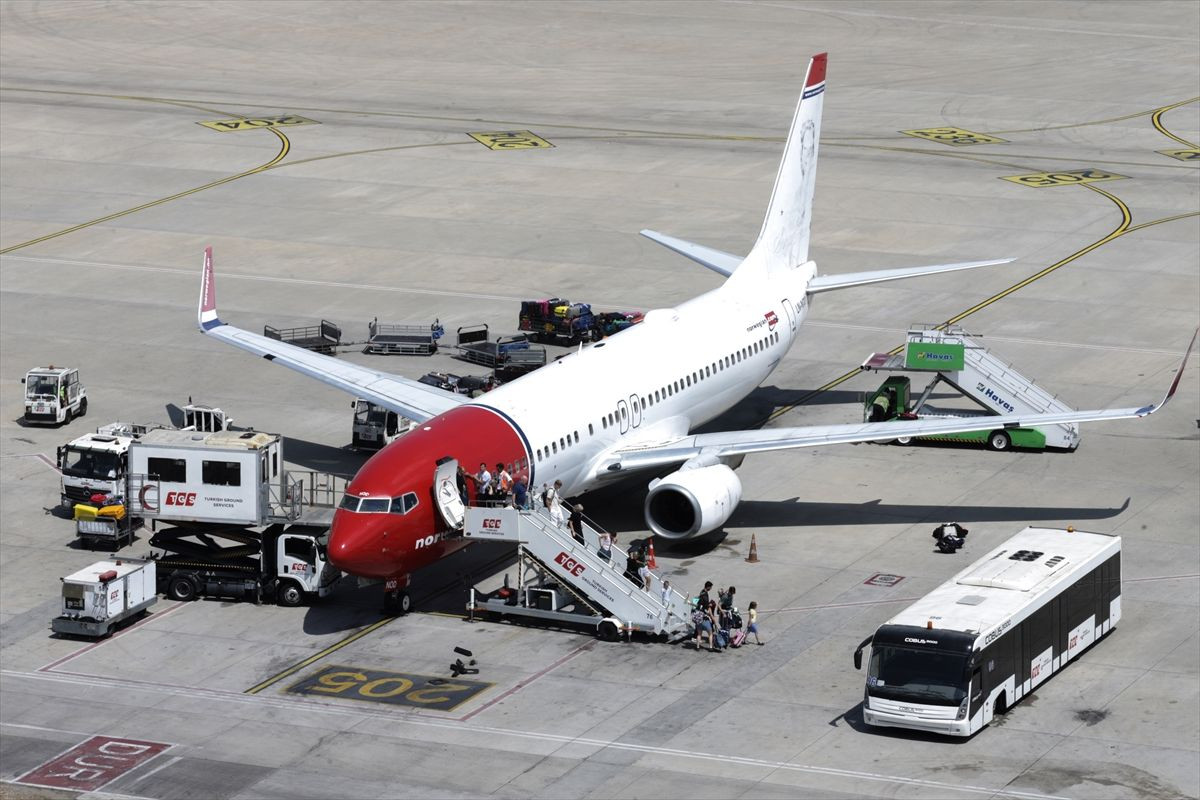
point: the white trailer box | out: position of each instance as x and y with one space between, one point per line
97 597
232 477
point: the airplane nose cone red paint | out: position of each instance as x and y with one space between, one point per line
358 544
391 544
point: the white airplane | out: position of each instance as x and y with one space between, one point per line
647 389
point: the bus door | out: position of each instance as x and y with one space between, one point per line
976 691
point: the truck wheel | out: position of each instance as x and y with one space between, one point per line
83 407
67 416
998 441
289 594
902 440
181 588
607 631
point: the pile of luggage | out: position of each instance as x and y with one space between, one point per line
610 322
557 318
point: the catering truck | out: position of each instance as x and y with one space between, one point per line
287 564
54 395
226 477
98 598
974 646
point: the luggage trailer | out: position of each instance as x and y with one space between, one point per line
974 646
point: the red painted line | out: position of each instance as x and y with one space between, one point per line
522 684
50 667
93 763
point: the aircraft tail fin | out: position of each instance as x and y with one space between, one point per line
783 241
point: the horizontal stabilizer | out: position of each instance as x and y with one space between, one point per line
718 261
827 283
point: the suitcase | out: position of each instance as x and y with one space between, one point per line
739 636
722 639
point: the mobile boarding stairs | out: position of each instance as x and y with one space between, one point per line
977 374
572 584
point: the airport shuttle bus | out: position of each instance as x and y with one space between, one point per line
978 643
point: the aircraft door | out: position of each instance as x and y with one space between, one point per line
790 311
445 493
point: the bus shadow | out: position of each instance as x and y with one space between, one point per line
854 720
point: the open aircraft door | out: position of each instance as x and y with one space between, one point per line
445 493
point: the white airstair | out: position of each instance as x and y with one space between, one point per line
609 599
987 380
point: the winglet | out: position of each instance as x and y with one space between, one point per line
206 316
1175 383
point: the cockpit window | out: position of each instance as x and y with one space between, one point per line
375 505
404 503
349 503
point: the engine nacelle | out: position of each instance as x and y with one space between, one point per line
697 499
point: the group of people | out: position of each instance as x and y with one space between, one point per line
718 622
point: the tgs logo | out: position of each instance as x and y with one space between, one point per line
569 564
181 498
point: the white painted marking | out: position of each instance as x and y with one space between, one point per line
161 766
329 707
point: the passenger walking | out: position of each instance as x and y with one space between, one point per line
605 549
702 598
631 568
575 523
461 481
554 504
521 494
727 598
503 483
665 593
644 572
752 627
483 485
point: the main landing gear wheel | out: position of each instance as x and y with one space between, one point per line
998 441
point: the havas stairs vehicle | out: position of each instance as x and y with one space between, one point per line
650 387
54 395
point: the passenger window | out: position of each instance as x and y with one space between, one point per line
590 431
576 437
554 447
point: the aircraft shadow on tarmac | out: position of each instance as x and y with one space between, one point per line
323 457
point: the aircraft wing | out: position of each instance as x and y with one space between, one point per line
737 443
409 398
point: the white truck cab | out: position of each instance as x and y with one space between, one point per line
95 463
375 427
53 395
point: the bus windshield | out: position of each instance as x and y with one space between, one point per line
91 464
931 677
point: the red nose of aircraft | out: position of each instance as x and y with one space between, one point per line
365 544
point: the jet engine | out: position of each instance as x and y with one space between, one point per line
694 500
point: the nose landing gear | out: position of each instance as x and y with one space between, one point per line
396 600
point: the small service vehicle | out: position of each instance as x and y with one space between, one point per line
54 395
375 427
99 597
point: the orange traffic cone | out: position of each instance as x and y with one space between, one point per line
753 557
650 562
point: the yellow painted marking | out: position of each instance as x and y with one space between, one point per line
394 688
1183 154
317 657
509 140
957 137
1040 180
255 123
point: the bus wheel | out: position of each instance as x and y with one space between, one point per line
998 441
288 594
181 588
1001 706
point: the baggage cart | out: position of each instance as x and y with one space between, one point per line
322 338
403 340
